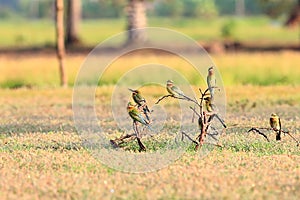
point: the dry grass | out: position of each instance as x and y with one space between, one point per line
41 155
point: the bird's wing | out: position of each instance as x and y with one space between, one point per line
208 81
177 90
137 116
213 106
140 98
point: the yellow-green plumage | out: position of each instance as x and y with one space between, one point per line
173 90
135 114
140 100
208 104
275 124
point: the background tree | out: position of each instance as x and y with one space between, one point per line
73 13
136 20
277 8
59 5
173 8
294 17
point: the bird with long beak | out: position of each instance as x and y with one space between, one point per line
136 116
141 102
174 90
275 124
210 107
211 82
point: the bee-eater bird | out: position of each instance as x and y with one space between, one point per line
210 107
137 117
275 124
208 104
174 90
135 114
211 82
140 101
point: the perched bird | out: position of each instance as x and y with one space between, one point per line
135 114
141 102
174 90
211 108
211 82
208 104
137 117
276 125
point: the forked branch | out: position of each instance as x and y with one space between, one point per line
259 132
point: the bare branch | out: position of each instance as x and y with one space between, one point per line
219 119
259 132
184 134
118 141
165 96
288 133
141 145
183 97
193 109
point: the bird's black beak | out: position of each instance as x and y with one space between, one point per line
131 90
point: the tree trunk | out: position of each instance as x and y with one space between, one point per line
240 7
60 40
136 19
73 20
294 17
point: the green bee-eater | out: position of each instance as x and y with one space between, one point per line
137 117
211 108
174 90
135 114
208 104
211 82
140 101
275 124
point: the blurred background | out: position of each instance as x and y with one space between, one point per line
253 42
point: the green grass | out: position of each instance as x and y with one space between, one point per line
264 69
259 147
259 30
43 157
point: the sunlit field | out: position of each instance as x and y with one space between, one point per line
42 155
277 68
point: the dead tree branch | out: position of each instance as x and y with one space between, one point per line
189 137
259 132
118 141
257 129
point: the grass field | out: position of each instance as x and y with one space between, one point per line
279 68
92 32
42 156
